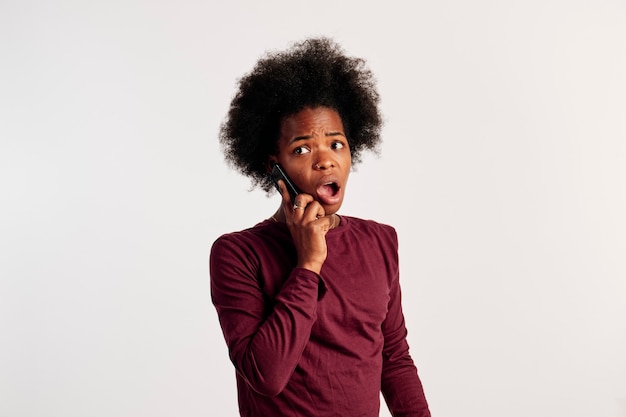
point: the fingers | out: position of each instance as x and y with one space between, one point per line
304 209
301 200
308 224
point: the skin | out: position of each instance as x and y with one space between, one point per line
314 152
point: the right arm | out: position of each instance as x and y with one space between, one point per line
265 342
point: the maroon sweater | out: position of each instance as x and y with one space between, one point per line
307 345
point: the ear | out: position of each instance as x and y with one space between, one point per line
271 161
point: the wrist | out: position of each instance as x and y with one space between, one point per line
315 267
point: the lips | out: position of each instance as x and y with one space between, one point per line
328 190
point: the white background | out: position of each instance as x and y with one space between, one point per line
503 169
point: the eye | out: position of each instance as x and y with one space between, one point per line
337 145
301 150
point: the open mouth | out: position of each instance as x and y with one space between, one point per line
331 188
328 192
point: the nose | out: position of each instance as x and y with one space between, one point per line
325 158
323 163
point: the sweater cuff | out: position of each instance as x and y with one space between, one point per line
321 286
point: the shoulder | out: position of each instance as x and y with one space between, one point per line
377 242
371 227
247 240
250 241
371 232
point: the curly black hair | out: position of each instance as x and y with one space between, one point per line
312 73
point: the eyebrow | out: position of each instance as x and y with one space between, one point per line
304 137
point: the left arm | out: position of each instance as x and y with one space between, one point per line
400 383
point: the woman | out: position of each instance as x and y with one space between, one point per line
309 301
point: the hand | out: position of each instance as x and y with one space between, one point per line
308 225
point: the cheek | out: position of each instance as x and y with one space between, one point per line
349 162
300 174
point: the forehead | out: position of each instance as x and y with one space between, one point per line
311 120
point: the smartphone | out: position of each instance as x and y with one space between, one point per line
279 174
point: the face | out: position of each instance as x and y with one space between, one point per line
313 150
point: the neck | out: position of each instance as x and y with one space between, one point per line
279 217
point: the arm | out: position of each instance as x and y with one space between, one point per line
265 342
400 384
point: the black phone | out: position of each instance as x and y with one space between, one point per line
278 173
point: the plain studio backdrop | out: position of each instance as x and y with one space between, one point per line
503 169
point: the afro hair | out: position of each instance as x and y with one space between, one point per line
313 73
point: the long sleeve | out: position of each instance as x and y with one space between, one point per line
400 383
314 345
265 337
